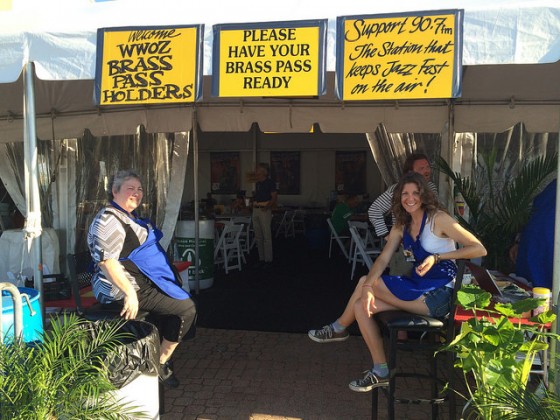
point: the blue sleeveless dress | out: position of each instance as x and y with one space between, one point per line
411 288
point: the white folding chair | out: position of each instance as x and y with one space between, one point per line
360 252
372 245
286 224
245 237
340 239
228 247
298 222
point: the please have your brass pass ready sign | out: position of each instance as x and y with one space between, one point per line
400 56
148 65
269 59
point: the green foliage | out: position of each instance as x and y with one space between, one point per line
498 351
499 201
64 376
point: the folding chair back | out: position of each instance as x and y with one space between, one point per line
339 240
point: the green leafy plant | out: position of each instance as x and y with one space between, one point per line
496 351
499 200
64 376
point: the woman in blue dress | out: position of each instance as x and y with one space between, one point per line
429 236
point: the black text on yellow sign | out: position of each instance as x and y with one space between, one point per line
275 60
400 56
148 65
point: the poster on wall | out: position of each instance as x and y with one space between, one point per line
225 168
285 169
149 65
413 55
350 172
269 59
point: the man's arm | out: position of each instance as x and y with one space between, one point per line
378 209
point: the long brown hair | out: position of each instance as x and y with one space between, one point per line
430 202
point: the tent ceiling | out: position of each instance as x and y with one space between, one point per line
494 98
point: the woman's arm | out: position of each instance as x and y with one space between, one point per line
447 226
378 209
114 272
381 262
393 241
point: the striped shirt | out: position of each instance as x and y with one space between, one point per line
382 206
106 238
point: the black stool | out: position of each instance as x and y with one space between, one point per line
432 330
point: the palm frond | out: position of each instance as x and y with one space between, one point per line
64 376
511 403
499 199
513 207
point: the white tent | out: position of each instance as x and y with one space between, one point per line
511 50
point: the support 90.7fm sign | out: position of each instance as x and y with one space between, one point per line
400 56
148 65
269 59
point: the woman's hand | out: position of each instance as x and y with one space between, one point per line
426 265
114 271
130 306
368 299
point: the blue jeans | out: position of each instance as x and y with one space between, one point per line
438 301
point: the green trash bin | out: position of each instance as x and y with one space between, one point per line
185 240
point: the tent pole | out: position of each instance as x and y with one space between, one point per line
196 206
554 384
32 229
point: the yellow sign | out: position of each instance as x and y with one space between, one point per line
148 65
399 56
281 59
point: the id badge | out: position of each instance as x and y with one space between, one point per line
409 255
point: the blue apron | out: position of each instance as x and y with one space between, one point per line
411 288
151 260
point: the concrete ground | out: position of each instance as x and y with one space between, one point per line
228 374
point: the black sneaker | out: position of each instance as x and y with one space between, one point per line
166 375
326 334
368 382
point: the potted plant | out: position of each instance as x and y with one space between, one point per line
496 351
63 376
499 200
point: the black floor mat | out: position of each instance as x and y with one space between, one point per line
304 289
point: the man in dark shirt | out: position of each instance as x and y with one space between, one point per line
263 202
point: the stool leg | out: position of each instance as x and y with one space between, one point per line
450 391
161 398
374 403
392 372
434 377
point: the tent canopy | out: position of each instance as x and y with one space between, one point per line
506 48
495 97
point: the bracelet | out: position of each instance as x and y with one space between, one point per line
436 257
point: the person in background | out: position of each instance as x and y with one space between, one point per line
210 203
535 250
132 269
264 200
238 205
343 212
380 208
